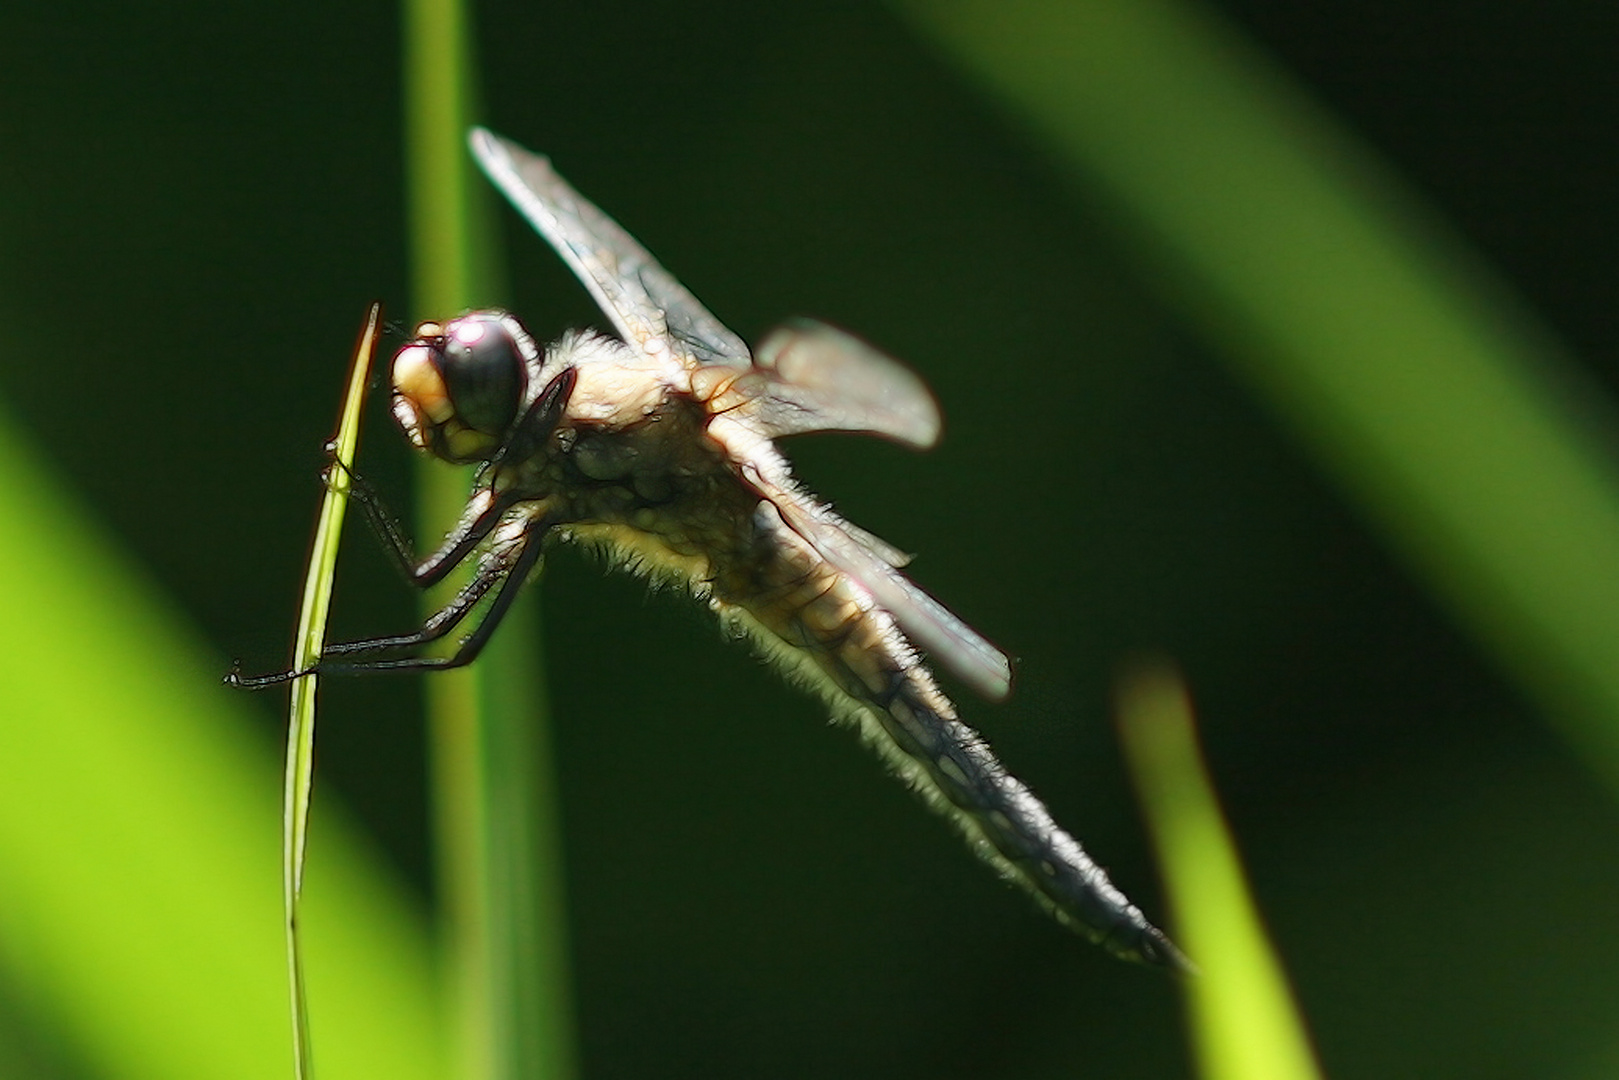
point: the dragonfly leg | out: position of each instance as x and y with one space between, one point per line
509 572
508 569
482 514
383 521
434 627
534 428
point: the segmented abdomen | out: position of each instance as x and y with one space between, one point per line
815 620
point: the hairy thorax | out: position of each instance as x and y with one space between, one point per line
644 482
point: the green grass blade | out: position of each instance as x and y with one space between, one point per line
497 826
1460 430
1243 1020
310 639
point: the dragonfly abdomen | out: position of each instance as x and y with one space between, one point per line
954 769
1010 828
816 620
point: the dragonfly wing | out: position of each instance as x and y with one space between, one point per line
648 307
810 377
954 645
875 544
814 377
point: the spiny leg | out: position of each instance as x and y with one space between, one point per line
529 434
507 568
434 627
481 516
509 571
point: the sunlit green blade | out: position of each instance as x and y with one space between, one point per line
1243 1020
496 823
311 638
1415 379
138 904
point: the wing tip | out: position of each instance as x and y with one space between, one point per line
996 684
483 141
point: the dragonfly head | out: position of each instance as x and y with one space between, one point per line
459 386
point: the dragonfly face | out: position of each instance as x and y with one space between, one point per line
457 387
658 443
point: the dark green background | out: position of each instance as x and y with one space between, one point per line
197 201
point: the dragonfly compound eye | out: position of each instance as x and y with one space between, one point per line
457 388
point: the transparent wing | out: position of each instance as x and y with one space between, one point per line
648 307
813 377
952 644
810 378
879 547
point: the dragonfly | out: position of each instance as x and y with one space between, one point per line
657 443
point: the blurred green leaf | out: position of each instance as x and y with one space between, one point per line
1394 356
138 826
1244 1023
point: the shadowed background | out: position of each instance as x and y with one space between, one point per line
197 202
